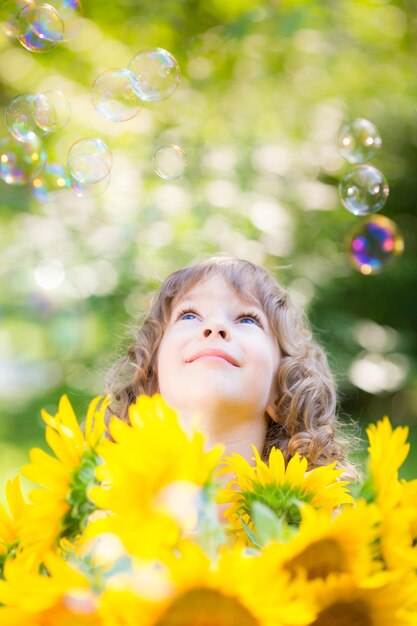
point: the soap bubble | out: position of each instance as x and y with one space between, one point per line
89 160
71 12
39 27
51 182
59 111
115 95
364 190
374 244
358 141
27 115
90 190
21 161
158 74
169 162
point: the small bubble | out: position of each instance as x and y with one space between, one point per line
374 244
158 74
358 141
115 95
89 160
39 27
169 162
26 115
364 190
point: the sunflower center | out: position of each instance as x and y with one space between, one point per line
206 607
345 614
318 560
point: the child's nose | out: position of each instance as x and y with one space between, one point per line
215 327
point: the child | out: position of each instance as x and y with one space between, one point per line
224 341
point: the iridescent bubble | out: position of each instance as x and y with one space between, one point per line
89 160
169 162
39 28
90 190
51 182
21 161
71 13
358 141
26 115
59 112
158 73
364 190
115 95
374 244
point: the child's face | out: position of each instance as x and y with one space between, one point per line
215 354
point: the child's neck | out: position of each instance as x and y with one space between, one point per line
237 432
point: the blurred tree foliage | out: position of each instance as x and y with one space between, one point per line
265 87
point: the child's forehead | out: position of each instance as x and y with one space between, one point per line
209 285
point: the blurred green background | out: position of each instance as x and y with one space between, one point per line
265 87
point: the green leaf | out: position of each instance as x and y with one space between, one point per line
253 538
268 525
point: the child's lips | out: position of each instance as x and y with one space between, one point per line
210 352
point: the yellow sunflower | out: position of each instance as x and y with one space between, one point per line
282 488
234 589
380 600
149 463
11 521
388 449
61 598
60 504
398 531
343 544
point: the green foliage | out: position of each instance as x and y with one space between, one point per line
81 507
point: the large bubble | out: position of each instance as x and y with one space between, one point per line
51 182
27 114
158 74
39 27
169 162
358 141
364 190
115 95
374 244
21 161
89 160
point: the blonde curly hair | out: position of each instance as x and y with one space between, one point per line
305 419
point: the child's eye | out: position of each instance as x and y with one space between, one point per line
185 313
252 317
